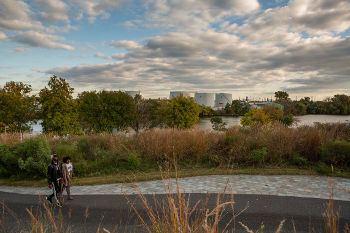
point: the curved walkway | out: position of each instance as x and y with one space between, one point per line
282 185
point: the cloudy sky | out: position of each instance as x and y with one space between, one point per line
247 48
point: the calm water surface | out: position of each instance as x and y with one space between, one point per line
233 121
300 120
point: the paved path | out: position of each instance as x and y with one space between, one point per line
283 185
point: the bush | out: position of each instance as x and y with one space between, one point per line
8 162
336 152
259 155
323 168
133 161
33 157
65 149
299 161
81 168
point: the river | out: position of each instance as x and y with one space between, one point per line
300 120
233 121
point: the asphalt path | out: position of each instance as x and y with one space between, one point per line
87 212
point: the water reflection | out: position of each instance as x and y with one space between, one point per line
234 121
300 120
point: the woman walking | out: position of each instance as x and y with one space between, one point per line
67 170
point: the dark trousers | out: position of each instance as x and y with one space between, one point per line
57 186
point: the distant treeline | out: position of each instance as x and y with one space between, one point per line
337 105
105 111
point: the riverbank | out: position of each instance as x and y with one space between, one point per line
137 176
321 148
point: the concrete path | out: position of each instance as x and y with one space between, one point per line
282 185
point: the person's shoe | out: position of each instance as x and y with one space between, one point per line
49 199
70 198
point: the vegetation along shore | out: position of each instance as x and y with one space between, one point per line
84 129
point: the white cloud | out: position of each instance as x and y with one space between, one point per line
53 10
16 15
125 44
42 40
213 61
2 36
286 24
94 8
192 15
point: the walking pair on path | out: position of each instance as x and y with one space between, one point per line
59 177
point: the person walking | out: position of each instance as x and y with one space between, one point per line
67 170
54 176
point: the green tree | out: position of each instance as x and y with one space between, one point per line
240 107
255 117
145 113
58 109
218 124
206 111
180 112
281 95
266 115
341 104
105 111
17 107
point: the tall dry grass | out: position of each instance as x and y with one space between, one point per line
233 147
173 143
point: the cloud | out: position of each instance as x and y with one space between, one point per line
2 36
189 15
218 61
21 50
125 44
300 18
94 8
39 39
53 10
16 15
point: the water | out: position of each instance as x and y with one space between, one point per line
234 121
300 120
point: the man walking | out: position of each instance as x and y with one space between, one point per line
54 176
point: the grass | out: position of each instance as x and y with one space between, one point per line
127 177
110 158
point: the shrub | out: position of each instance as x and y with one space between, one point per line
217 123
8 162
133 161
65 149
81 168
323 168
336 152
34 157
299 161
259 155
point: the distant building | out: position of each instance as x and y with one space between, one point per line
221 99
262 104
206 99
132 93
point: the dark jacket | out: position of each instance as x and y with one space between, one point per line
54 172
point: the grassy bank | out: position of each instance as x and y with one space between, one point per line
107 158
137 176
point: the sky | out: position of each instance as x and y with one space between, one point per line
247 48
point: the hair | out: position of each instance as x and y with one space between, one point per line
65 159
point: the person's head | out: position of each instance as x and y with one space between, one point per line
66 159
54 158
